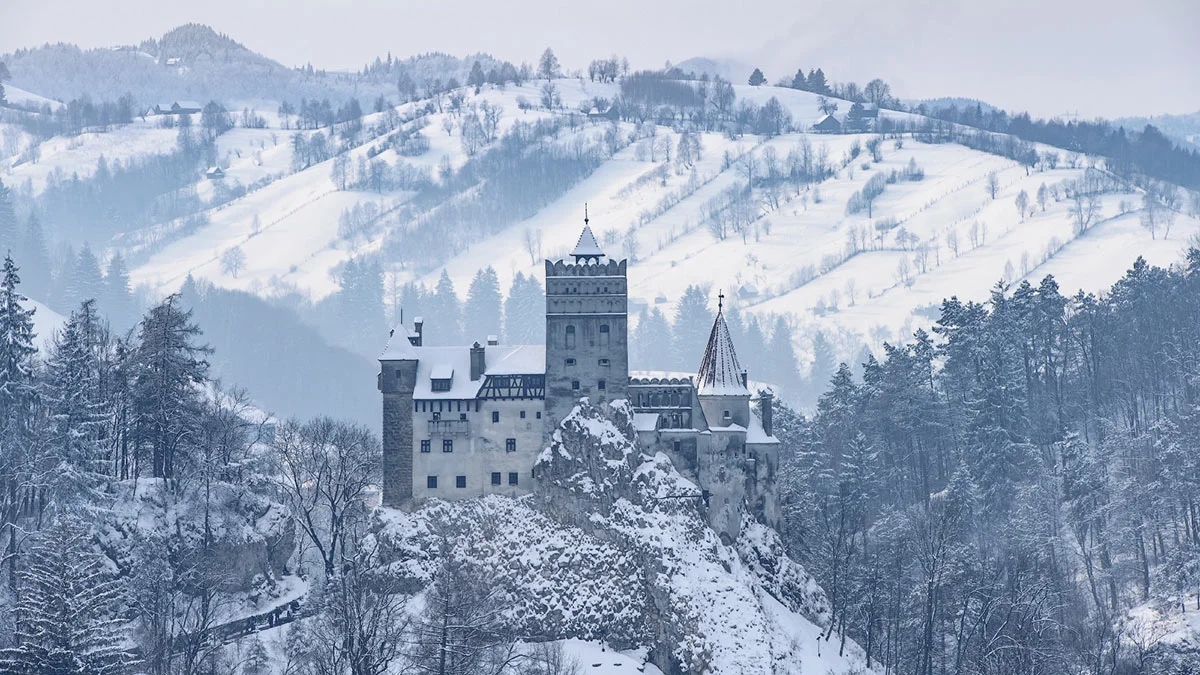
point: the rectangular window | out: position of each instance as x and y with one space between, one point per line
425 445
539 414
512 477
431 482
727 415
603 335
460 481
495 416
678 445
462 416
522 414
437 416
570 362
575 385
600 385
510 445
447 445
495 478
604 363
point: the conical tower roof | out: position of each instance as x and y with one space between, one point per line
587 247
720 373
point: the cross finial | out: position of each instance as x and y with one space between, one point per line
585 216
720 301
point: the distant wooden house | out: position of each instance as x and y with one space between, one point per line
215 173
175 108
827 125
748 291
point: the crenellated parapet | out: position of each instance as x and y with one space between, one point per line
562 268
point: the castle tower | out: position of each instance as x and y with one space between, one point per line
397 381
721 384
587 352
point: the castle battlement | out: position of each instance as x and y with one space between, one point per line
562 268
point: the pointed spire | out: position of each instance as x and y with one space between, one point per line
587 247
720 373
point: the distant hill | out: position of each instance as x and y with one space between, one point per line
950 101
195 62
1183 129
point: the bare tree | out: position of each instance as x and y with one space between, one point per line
324 469
992 184
533 243
548 66
233 261
952 241
1022 202
1085 209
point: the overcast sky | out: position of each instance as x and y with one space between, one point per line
1096 57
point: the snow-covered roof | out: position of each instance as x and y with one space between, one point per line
398 346
440 363
587 246
756 433
645 421
720 373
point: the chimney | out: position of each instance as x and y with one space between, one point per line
418 326
745 379
493 340
764 410
478 362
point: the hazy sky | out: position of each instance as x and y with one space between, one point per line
1098 57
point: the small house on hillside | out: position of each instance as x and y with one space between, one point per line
175 108
827 125
215 173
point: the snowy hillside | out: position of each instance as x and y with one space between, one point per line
860 278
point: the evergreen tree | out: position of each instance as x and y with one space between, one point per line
69 610
118 300
525 311
652 341
481 313
36 260
823 363
8 220
169 367
693 324
444 324
86 282
18 398
76 400
476 78
781 356
757 79
817 83
799 81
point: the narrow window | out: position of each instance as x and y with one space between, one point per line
510 445
600 385
495 478
462 416
447 445
539 414
575 385
437 416
431 482
677 446
603 335
512 477
495 416
425 445
570 337
460 481
727 415
522 414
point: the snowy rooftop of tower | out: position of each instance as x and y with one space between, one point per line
587 247
720 373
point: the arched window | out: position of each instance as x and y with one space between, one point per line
603 335
570 337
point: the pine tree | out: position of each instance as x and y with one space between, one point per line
444 327
693 324
799 81
68 608
86 281
652 341
817 83
118 300
823 364
8 220
782 356
757 79
169 366
525 311
36 260
483 307
18 399
76 401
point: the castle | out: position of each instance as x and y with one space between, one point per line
462 422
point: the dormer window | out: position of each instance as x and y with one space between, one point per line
441 377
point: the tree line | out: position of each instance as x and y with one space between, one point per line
998 495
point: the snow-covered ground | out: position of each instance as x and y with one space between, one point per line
792 261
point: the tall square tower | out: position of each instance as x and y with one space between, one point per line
587 329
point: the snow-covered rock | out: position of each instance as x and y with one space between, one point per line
595 554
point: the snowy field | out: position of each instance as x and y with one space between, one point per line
794 260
